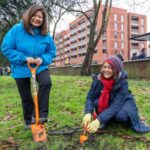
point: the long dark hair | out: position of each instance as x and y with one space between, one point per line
28 15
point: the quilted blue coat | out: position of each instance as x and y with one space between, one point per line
120 98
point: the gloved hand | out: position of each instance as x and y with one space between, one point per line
93 126
86 119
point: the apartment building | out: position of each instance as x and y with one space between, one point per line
72 43
137 24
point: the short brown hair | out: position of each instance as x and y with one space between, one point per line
28 15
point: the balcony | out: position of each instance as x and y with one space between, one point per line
83 42
82 50
134 48
134 31
133 41
67 42
73 31
134 23
73 53
66 36
88 24
73 38
73 45
104 37
82 26
104 46
82 34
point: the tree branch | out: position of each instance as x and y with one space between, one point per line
105 18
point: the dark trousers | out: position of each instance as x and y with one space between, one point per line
24 88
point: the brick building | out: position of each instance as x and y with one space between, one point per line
72 43
137 24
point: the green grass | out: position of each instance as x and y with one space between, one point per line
67 101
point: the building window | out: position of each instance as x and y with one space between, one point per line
115 44
104 51
122 45
115 17
134 18
122 36
122 18
142 21
134 29
83 54
95 52
104 44
116 35
104 35
81 22
122 27
134 46
142 45
115 26
142 29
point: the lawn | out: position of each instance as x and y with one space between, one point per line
67 101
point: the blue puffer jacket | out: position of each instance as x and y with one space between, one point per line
120 98
19 44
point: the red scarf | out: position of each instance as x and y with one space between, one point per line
103 101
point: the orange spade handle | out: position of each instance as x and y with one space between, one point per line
36 105
33 72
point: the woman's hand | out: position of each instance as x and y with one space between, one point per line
30 60
86 119
38 61
93 126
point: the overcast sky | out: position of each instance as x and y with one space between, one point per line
141 8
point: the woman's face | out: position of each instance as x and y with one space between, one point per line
107 70
37 19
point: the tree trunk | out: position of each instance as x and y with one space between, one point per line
86 66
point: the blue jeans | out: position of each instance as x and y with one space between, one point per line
122 117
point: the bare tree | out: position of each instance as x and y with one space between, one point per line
86 66
10 13
56 12
134 5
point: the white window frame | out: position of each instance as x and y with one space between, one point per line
115 17
122 27
122 18
115 44
122 45
122 36
115 26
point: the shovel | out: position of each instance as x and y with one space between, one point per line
38 130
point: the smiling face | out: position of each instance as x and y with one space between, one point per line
107 70
37 19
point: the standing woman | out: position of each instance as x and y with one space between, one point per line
109 99
30 42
